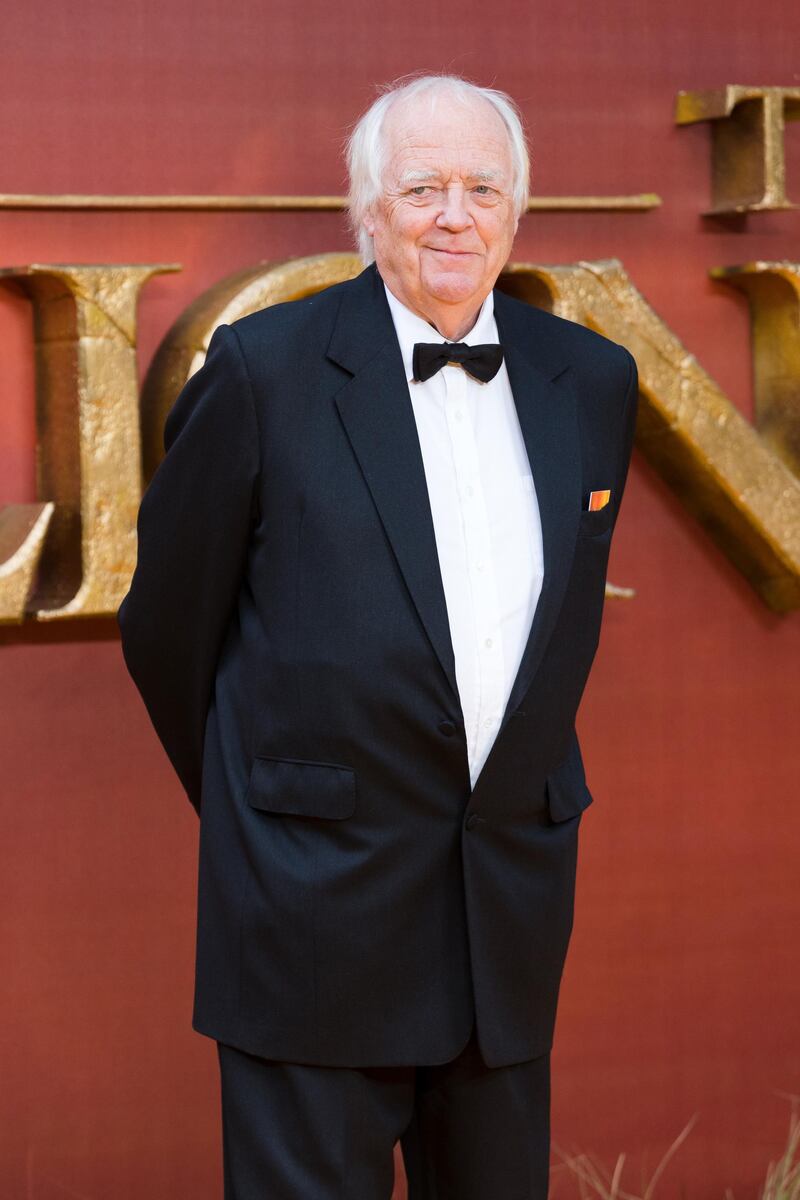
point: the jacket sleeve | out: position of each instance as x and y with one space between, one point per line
194 528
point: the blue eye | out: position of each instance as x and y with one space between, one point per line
419 190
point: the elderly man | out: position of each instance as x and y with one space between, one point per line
370 582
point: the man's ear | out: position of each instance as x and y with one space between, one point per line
368 221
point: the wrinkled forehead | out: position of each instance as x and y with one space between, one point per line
440 131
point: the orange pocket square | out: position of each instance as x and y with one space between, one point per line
599 500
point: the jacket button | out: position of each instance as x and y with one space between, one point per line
472 820
447 728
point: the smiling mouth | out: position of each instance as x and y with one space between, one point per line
453 253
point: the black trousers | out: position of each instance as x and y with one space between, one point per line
467 1131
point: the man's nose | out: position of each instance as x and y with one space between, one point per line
454 214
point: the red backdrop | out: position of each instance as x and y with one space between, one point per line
682 989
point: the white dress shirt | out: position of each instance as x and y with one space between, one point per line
485 519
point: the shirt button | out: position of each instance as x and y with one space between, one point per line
479 566
472 820
488 643
488 723
458 414
447 728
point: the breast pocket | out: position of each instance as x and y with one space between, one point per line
599 521
301 788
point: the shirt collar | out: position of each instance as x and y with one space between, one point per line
411 328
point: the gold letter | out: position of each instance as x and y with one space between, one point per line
89 460
748 168
773 290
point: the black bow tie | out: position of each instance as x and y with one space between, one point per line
482 362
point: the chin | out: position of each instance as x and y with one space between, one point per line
452 287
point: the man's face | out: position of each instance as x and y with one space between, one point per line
444 226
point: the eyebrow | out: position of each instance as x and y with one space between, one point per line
483 176
418 176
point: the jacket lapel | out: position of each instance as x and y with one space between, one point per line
376 411
548 419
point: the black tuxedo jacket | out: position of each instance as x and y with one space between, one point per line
287 629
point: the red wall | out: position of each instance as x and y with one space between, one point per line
682 989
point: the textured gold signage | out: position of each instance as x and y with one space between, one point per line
88 461
734 484
773 290
748 163
638 202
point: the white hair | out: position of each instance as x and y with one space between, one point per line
366 145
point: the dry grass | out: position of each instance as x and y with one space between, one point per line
596 1182
783 1176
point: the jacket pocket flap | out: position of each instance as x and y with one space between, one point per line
567 792
301 788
